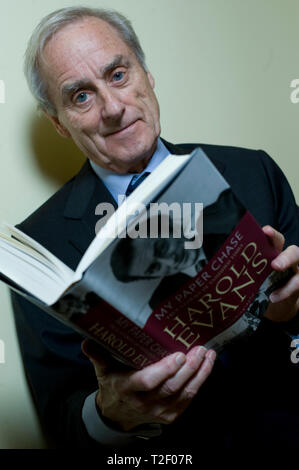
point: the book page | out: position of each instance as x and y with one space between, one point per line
29 245
30 274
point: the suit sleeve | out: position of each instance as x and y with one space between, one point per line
285 205
59 375
287 216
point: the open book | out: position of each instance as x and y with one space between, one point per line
180 263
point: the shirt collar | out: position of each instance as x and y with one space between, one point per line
117 184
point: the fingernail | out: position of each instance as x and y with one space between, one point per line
273 298
211 355
201 352
280 264
180 359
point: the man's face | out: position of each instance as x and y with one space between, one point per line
103 97
160 257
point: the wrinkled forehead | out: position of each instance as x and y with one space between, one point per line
81 33
79 47
143 252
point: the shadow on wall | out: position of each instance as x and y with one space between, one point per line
58 158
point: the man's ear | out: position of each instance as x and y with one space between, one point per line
151 80
58 126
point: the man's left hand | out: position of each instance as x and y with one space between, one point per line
284 302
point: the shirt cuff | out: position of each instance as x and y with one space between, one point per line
104 434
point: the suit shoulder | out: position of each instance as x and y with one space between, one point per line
229 155
246 163
49 213
243 167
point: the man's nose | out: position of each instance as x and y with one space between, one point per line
113 108
166 260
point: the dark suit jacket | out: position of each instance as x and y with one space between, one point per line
59 375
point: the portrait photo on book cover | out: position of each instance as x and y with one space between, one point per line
75 304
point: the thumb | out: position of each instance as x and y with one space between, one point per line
91 350
277 238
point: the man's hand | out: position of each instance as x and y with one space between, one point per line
159 393
284 302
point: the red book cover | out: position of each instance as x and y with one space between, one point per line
206 306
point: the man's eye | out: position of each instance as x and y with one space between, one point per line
161 248
118 76
81 97
154 268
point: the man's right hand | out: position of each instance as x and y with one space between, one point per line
159 393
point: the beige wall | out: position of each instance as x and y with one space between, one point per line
223 71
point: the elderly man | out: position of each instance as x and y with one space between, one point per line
87 71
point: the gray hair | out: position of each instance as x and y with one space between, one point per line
55 21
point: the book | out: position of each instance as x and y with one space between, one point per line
180 263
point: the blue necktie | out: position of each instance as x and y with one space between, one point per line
136 181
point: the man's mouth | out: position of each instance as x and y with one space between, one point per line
123 130
185 259
181 258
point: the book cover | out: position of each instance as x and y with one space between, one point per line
192 267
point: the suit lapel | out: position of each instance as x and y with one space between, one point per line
183 149
87 192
